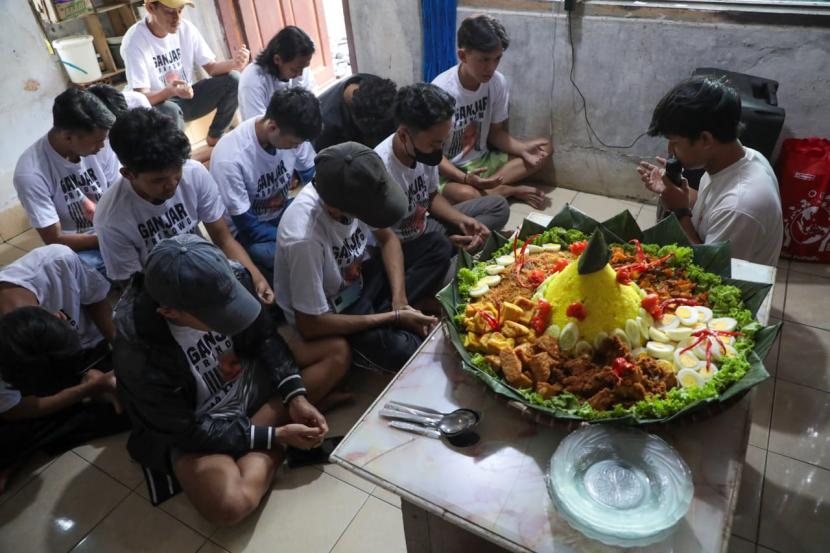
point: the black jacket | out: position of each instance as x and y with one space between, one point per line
158 389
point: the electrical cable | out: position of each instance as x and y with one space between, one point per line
582 96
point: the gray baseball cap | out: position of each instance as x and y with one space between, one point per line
189 273
353 179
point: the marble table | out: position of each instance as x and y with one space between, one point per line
493 496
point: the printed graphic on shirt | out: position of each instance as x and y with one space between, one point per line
272 191
466 132
170 67
173 222
213 358
418 194
81 191
349 255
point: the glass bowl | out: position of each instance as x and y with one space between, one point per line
619 485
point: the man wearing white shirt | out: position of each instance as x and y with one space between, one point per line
159 54
738 200
163 193
283 63
254 164
60 178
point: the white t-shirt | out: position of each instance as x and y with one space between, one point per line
61 282
475 111
214 366
317 256
419 183
129 226
741 204
248 177
256 86
152 62
53 190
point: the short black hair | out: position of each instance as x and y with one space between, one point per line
372 106
482 33
421 106
146 140
696 105
77 110
296 111
37 350
290 43
111 97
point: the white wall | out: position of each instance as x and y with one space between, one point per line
32 78
624 65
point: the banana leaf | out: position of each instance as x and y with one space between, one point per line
714 258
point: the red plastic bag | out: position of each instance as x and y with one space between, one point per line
803 170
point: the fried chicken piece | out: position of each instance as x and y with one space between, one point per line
511 367
494 361
610 349
578 365
602 400
524 352
539 366
548 344
590 382
547 390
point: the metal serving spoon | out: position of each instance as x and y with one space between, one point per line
450 425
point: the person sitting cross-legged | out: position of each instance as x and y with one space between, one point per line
212 391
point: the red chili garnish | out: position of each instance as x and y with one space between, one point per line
641 256
623 276
642 266
703 335
491 321
621 366
578 247
577 311
521 261
560 264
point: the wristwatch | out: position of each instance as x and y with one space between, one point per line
682 212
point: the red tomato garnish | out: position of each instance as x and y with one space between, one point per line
622 367
578 247
577 311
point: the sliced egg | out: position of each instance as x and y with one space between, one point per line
569 337
494 269
725 324
669 320
679 334
623 336
689 378
553 330
550 247
667 365
533 248
632 330
636 352
490 280
687 360
704 314
505 260
718 353
599 339
659 350
700 349
688 315
479 290
658 335
583 348
644 326
708 372
646 316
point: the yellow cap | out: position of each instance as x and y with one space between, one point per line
175 4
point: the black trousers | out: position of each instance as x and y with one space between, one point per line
426 261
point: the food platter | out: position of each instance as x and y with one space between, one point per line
583 320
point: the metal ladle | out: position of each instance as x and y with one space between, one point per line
456 426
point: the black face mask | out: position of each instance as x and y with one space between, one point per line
427 158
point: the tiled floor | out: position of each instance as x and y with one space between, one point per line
93 498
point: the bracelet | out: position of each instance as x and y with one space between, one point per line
466 175
397 316
682 212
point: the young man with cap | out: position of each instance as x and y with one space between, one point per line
254 165
357 109
329 285
211 389
159 53
55 323
471 168
162 193
60 178
738 199
412 154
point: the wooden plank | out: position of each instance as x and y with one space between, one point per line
231 24
250 25
99 39
347 15
269 16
